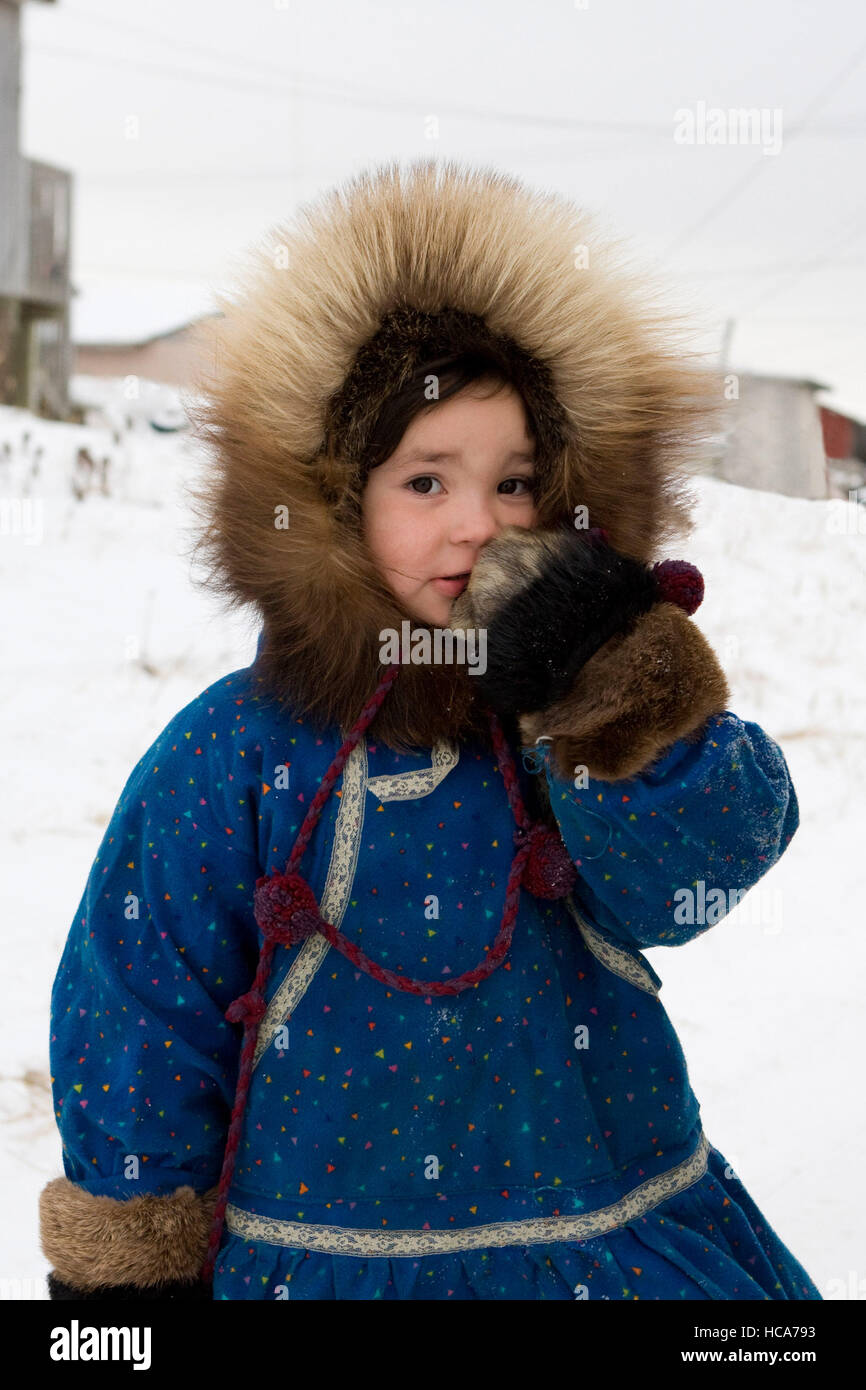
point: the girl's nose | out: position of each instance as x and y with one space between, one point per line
475 523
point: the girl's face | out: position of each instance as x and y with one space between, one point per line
461 472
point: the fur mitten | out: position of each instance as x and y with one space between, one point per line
590 649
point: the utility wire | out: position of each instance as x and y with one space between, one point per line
316 90
809 267
821 97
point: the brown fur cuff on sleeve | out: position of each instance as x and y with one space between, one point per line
636 696
94 1241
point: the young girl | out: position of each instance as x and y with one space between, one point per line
354 1004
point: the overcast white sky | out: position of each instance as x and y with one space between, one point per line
245 107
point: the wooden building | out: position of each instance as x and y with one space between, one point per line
35 198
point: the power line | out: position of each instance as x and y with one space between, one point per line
808 267
343 98
108 61
257 65
219 55
369 101
316 90
828 90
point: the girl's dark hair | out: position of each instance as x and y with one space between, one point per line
389 384
484 371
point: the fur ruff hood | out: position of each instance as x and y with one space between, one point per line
627 408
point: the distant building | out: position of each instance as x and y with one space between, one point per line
171 356
774 439
845 447
35 350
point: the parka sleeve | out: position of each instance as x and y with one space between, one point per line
143 1061
663 856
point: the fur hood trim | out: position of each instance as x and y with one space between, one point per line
631 409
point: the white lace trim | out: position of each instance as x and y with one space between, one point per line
335 900
342 1240
405 786
615 959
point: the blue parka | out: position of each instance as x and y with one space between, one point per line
533 1137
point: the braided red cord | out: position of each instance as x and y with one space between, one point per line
495 953
256 995
251 1007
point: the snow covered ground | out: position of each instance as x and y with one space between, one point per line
105 638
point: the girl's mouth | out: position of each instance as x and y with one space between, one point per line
453 585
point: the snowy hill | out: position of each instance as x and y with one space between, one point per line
105 639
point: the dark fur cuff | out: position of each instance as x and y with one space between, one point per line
635 697
125 1293
148 1242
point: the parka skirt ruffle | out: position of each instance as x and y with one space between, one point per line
707 1242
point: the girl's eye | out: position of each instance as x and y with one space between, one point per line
529 483
425 478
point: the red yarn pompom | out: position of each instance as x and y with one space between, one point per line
679 582
549 872
285 908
